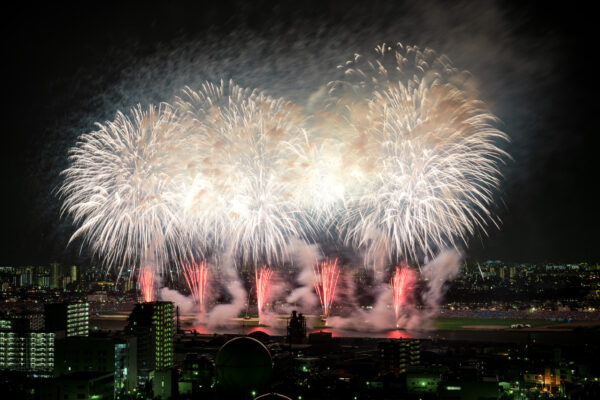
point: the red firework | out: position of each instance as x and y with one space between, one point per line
263 279
326 277
400 282
146 282
196 276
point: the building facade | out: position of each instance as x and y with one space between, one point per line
396 355
152 325
72 318
99 354
27 351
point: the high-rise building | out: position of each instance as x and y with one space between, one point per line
73 273
152 325
25 276
396 355
72 318
55 276
27 351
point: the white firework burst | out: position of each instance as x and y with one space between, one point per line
119 188
429 153
244 198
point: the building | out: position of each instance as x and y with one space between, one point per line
73 273
27 351
296 328
421 380
25 275
322 343
99 354
78 385
42 280
198 373
70 318
469 390
502 273
396 355
152 325
55 277
22 321
164 383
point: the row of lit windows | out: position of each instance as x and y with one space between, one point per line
37 353
26 342
12 356
28 334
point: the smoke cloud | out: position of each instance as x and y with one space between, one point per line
444 268
222 314
437 273
185 303
305 256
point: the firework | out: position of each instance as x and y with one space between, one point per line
263 278
146 282
120 188
244 195
400 283
427 149
326 277
405 164
196 277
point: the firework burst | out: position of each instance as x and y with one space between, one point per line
120 188
405 164
244 195
428 151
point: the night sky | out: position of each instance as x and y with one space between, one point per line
70 67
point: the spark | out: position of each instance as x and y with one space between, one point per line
400 283
146 283
263 278
196 277
326 277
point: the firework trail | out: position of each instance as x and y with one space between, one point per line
196 277
263 279
427 149
146 280
326 277
244 198
120 189
400 282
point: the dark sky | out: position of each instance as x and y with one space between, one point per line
70 67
